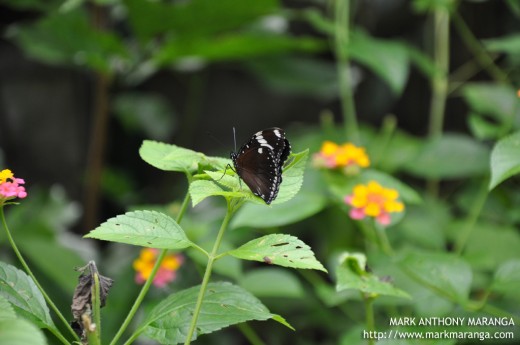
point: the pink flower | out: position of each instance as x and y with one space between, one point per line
167 271
10 186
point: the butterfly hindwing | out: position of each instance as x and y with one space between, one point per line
259 162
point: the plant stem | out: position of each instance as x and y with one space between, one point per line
383 240
441 32
149 281
207 274
369 315
94 336
250 334
341 39
481 55
29 272
476 208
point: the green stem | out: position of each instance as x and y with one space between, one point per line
476 208
341 28
481 55
29 272
369 316
441 19
149 281
94 336
207 274
250 334
384 243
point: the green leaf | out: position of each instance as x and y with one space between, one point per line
489 245
6 310
505 160
19 289
282 283
506 44
446 274
387 59
496 100
351 274
304 205
241 46
279 249
507 279
170 157
229 185
143 228
196 18
20 332
224 305
297 75
69 38
441 158
148 113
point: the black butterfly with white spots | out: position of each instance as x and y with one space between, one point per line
259 162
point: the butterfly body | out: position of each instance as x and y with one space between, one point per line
259 162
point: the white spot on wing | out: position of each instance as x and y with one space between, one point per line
260 150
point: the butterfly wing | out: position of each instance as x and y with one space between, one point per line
259 162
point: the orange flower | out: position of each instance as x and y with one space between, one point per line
373 200
167 271
345 156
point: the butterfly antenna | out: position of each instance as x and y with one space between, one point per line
235 138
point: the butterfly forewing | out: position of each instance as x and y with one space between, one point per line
259 162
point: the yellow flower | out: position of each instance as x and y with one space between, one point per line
374 200
348 155
167 271
5 175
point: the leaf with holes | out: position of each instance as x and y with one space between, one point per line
224 305
19 289
279 249
143 228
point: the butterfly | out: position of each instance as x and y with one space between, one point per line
259 162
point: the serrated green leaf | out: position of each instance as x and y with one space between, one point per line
351 274
224 305
170 157
279 249
143 228
441 158
19 289
6 309
447 274
505 160
20 332
229 185
282 283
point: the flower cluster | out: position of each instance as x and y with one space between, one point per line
10 186
347 156
167 271
373 200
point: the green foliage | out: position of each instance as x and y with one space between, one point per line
143 228
351 274
446 274
224 305
279 249
23 295
505 161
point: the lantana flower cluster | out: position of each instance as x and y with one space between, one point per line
346 156
10 186
167 272
374 200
